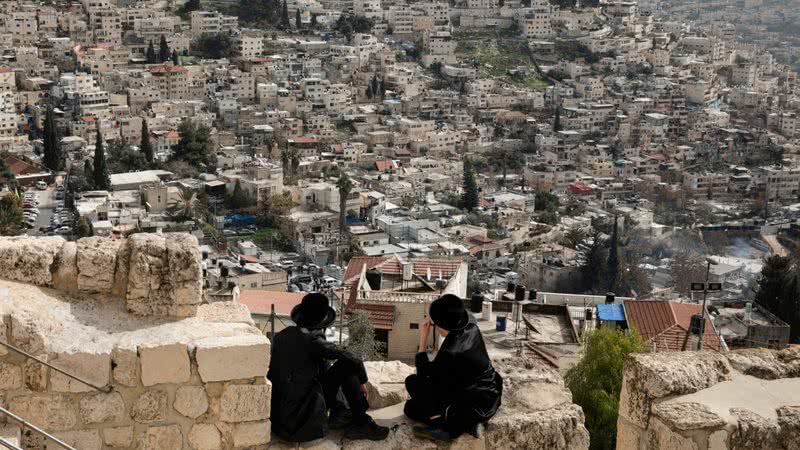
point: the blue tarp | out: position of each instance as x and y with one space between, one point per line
613 312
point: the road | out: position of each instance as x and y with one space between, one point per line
776 247
47 201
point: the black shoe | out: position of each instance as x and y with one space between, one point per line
433 434
367 429
340 419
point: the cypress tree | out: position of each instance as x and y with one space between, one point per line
147 146
101 180
88 173
469 198
613 257
557 120
175 58
52 158
285 15
313 20
150 56
298 22
163 50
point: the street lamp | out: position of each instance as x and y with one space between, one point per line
710 262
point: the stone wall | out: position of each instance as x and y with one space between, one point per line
156 274
745 399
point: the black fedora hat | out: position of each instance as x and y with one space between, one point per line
313 312
448 312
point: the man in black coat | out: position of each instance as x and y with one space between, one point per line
305 385
459 390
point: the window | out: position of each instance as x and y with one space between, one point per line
253 285
413 326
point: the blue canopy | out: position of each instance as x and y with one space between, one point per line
614 312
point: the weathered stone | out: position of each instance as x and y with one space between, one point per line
120 288
661 437
11 434
191 401
651 376
164 275
150 407
232 358
557 428
101 408
789 423
28 334
35 374
96 260
118 437
205 436
244 403
164 363
10 377
82 439
752 431
94 367
164 438
686 416
54 412
29 260
386 385
760 363
65 277
3 330
125 366
251 434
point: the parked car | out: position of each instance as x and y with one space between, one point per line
64 230
41 185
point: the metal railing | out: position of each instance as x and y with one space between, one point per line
104 389
27 425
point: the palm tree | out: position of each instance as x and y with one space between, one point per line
345 186
187 206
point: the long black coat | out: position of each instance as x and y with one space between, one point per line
299 359
462 374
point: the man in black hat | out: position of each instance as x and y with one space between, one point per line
305 386
459 390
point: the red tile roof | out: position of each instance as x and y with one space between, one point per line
260 301
166 68
384 164
19 167
381 316
391 265
663 324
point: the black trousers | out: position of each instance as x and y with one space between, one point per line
340 383
425 403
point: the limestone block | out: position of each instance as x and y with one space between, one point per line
661 437
232 358
244 403
789 422
651 376
753 431
29 260
556 428
125 366
686 416
11 434
53 412
82 439
164 363
35 374
191 401
164 274
10 377
96 260
247 435
205 436
386 385
764 363
118 437
167 437
101 408
4 330
120 288
400 438
629 436
94 367
65 276
27 334
151 406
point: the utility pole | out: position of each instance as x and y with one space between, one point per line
710 262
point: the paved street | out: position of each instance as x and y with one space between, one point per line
47 202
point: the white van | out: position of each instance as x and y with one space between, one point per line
41 185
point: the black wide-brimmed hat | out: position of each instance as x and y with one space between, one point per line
448 312
313 312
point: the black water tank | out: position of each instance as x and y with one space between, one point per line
374 280
476 302
610 296
532 295
510 287
223 271
519 294
205 254
588 314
